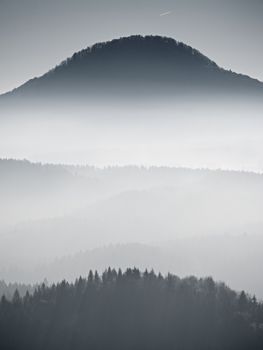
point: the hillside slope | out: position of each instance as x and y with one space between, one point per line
137 65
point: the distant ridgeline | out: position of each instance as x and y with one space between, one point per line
139 66
132 310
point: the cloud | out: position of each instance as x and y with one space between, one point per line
165 13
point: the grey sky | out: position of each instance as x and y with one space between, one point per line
36 35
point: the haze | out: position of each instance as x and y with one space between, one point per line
141 151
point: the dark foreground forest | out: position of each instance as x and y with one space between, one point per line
132 310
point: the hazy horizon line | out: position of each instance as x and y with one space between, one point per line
133 165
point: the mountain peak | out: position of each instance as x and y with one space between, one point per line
137 45
137 64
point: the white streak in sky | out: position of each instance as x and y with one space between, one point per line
165 13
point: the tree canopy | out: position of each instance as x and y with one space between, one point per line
132 310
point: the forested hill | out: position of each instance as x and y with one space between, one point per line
150 64
132 310
8 289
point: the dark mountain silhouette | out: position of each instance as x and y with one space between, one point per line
137 65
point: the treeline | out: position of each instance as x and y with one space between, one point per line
132 310
8 289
